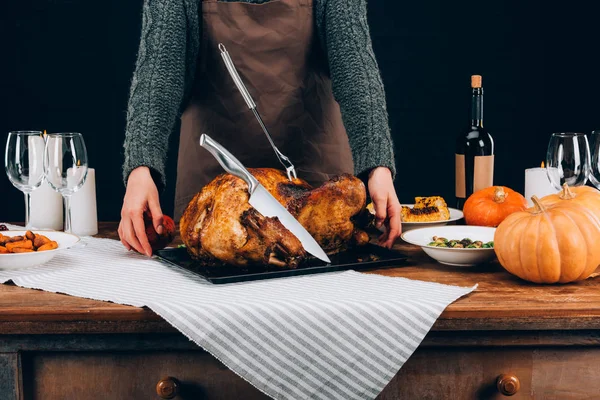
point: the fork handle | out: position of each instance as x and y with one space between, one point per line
236 77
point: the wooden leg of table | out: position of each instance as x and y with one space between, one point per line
11 384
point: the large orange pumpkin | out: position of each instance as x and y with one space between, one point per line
490 206
550 243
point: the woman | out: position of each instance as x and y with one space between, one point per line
308 64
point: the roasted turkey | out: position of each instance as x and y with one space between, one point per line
219 226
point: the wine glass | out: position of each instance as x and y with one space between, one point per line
568 159
65 161
595 150
24 164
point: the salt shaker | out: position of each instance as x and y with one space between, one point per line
84 215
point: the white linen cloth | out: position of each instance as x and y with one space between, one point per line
341 335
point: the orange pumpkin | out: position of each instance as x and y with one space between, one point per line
550 243
490 206
584 195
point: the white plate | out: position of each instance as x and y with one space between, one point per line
26 260
455 215
451 256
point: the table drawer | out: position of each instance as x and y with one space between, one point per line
471 373
431 373
130 376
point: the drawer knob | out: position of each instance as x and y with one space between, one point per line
508 384
167 388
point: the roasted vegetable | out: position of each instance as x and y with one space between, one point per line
464 243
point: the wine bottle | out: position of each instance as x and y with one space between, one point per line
474 158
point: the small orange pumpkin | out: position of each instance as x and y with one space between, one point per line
550 243
490 206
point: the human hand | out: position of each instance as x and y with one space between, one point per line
141 196
387 206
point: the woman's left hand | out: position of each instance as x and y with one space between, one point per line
387 207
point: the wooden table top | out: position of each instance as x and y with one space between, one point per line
500 303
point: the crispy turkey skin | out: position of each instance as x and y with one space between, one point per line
219 226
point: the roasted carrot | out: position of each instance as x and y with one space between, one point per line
22 250
49 246
40 240
23 244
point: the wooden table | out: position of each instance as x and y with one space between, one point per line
545 338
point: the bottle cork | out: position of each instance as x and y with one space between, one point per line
476 81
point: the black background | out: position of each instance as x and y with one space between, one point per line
66 66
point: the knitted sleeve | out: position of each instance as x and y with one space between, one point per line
356 82
158 87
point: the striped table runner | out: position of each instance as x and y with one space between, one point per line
340 335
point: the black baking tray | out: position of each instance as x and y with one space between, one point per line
361 258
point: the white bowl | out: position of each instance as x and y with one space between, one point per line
452 256
455 215
26 260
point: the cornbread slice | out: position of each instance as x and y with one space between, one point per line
426 209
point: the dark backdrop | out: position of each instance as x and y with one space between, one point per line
67 64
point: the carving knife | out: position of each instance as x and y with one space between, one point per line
261 199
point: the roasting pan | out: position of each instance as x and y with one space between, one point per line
366 257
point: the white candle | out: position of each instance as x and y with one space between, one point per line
46 208
46 204
84 216
538 184
35 149
76 177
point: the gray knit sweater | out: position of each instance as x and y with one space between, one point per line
166 63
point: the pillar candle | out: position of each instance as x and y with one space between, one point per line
84 217
46 208
46 203
538 184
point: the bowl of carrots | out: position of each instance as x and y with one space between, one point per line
26 248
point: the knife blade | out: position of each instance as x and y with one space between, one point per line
261 199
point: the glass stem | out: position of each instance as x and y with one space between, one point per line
27 209
67 199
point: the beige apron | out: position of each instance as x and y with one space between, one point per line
276 51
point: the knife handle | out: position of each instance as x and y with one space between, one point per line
236 78
228 161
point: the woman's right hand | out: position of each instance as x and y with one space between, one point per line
141 196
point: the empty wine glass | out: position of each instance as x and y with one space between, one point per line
568 159
24 164
65 161
595 150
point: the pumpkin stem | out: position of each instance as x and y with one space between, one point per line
499 194
566 193
538 206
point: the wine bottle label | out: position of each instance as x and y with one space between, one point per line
460 178
484 172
